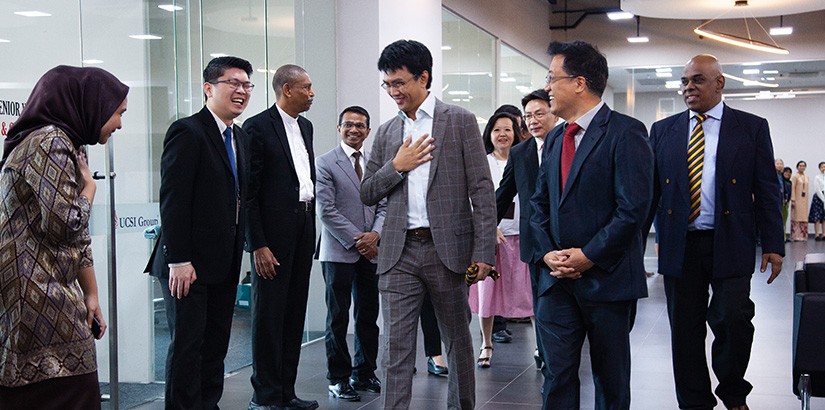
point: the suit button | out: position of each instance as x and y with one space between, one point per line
667 180
733 181
297 188
670 212
727 212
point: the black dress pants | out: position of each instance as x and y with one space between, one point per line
349 284
729 316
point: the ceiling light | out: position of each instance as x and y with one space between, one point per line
781 30
507 79
145 37
770 78
664 70
456 92
638 38
446 47
749 71
170 7
620 15
749 82
32 14
664 75
465 100
770 72
673 84
3 40
92 61
740 41
216 55
456 99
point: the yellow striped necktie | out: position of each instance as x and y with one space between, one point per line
696 159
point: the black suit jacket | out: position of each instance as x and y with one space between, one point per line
272 198
199 210
747 193
520 178
602 210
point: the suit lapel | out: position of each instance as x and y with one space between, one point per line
346 166
213 134
280 134
594 133
439 135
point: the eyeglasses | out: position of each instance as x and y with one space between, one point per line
538 115
550 78
360 126
235 84
397 84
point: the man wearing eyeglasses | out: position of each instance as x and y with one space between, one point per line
429 163
281 236
348 249
592 197
520 178
202 172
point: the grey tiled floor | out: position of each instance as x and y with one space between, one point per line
513 383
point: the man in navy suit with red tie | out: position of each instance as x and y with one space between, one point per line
714 181
592 197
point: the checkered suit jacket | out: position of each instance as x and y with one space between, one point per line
460 197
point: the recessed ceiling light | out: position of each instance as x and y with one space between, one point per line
456 99
673 84
749 71
638 39
145 37
458 92
664 75
216 55
32 13
770 72
507 79
620 15
770 78
3 40
446 47
170 7
92 61
781 31
664 70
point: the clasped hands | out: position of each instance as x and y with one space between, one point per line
367 244
567 263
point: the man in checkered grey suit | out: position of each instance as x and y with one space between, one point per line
429 162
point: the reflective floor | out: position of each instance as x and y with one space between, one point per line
513 382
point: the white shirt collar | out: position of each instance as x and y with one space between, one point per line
349 150
427 107
288 119
585 120
221 125
715 112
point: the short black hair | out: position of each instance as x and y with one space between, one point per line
800 163
286 74
583 59
354 109
411 54
539 94
488 130
509 109
218 65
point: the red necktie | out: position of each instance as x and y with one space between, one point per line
568 150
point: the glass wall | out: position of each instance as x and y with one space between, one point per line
474 59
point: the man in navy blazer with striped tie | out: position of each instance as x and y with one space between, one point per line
706 232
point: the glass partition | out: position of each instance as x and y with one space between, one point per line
519 75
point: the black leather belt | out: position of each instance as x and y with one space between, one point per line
420 233
305 206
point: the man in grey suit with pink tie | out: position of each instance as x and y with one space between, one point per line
429 162
347 250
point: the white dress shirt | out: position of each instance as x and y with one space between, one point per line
348 151
585 120
300 156
707 204
418 178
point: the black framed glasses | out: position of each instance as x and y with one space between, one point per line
551 78
360 126
235 84
399 84
538 115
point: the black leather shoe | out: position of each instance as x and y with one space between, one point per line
435 369
502 337
372 385
343 391
256 406
297 403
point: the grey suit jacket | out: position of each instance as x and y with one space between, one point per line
338 202
460 199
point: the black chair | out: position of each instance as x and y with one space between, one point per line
809 329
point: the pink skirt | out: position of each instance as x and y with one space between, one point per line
509 296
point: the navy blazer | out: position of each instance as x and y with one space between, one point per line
602 210
747 193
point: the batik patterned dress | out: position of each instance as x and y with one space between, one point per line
44 242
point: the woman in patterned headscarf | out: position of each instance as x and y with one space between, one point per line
48 291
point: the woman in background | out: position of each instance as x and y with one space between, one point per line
817 214
799 203
49 302
786 199
511 295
